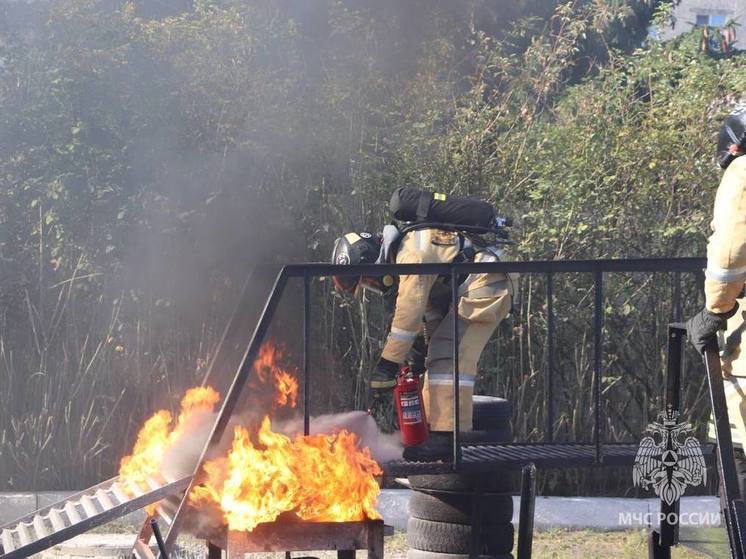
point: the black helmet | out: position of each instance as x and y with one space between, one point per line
732 139
358 248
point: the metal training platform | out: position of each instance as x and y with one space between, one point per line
101 503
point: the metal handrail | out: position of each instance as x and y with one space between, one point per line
321 269
548 267
309 271
732 505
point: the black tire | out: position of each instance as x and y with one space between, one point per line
419 554
502 434
444 537
496 482
498 539
441 438
456 508
490 413
440 444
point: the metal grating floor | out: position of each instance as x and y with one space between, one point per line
486 458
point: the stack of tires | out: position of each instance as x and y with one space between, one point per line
446 509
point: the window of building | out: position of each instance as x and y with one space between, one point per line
717 21
713 20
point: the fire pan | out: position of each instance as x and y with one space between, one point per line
344 537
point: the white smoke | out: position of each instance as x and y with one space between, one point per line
383 447
180 460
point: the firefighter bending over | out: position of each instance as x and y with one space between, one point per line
436 229
725 277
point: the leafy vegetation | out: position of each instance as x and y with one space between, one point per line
153 156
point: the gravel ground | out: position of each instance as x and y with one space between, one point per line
547 545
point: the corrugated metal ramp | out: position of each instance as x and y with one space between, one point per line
81 512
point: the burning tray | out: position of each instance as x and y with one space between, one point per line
345 537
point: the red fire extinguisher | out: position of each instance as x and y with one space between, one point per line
410 408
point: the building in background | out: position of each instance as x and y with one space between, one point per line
703 13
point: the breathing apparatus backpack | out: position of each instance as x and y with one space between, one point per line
420 209
419 206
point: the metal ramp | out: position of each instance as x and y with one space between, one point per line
81 512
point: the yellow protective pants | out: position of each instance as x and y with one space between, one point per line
724 281
484 300
480 310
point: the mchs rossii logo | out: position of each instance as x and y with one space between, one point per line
666 463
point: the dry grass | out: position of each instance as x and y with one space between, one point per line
79 377
591 545
572 545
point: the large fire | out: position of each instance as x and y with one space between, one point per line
325 477
318 477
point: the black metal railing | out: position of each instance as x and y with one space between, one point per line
307 272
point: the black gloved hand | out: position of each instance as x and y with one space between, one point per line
381 408
384 375
705 324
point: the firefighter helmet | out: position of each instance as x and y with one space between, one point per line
358 248
732 138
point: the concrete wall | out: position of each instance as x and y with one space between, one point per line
552 513
687 11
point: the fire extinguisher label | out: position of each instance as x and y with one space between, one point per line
411 411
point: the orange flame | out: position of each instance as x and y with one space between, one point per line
268 370
319 478
159 434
